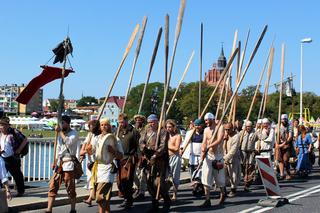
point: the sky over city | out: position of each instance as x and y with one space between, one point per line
100 30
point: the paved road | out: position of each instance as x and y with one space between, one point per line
303 196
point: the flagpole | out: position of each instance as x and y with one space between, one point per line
61 100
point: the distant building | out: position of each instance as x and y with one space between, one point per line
113 108
70 104
8 94
213 75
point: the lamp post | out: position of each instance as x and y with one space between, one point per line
305 40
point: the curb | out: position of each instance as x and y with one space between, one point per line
60 201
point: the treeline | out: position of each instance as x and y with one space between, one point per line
185 106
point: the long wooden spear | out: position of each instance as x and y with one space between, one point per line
220 98
133 36
280 101
144 23
154 54
200 68
267 83
176 39
234 104
229 82
166 49
166 87
244 72
219 82
181 80
213 93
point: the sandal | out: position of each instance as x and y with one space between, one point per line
87 202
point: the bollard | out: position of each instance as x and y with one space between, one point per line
270 183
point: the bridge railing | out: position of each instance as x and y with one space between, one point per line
36 165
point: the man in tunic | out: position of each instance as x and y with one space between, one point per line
129 139
284 147
106 149
212 168
248 154
140 177
266 139
67 144
232 157
158 162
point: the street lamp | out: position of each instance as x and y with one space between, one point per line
305 40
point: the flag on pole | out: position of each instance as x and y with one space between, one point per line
61 49
48 74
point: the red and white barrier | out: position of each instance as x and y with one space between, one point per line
269 180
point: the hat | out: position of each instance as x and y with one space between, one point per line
139 116
265 121
197 122
259 121
284 117
209 116
248 123
152 117
4 121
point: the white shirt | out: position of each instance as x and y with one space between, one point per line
71 142
104 174
268 140
6 145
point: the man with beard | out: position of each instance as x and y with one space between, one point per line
284 147
248 154
212 168
67 144
158 162
266 139
232 157
129 138
140 176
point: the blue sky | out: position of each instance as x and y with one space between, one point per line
100 31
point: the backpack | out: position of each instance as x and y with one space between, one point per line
18 138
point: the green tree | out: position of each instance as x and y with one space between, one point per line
87 101
54 105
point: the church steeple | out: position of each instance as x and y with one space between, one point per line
222 61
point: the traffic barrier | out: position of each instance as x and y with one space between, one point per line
270 183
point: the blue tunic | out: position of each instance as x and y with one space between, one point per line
303 156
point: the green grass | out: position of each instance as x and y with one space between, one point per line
46 133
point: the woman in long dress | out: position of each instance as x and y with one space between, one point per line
303 148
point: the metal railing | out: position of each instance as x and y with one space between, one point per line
36 165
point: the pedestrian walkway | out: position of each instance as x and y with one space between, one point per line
36 197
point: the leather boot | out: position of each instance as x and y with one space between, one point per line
223 195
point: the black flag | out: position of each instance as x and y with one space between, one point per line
59 51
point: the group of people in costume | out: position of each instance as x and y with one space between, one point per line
142 157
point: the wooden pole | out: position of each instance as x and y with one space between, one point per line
166 49
176 39
237 80
200 68
220 99
181 80
144 23
213 93
268 82
219 82
154 54
133 35
61 99
234 111
237 87
280 101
